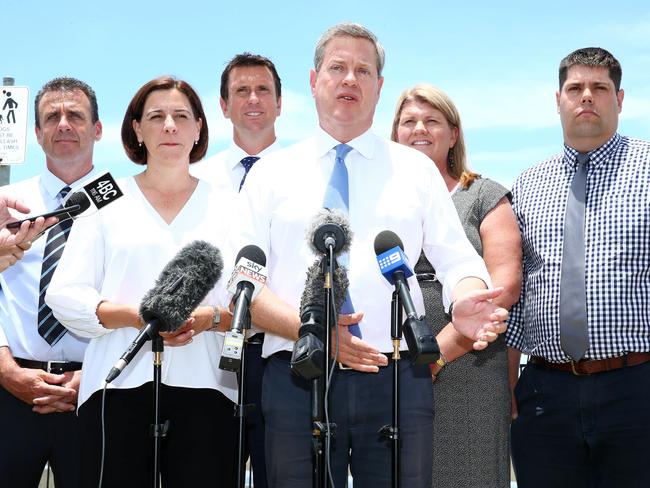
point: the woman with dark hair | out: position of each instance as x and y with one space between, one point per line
111 260
471 394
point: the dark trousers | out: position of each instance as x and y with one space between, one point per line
582 431
254 419
199 449
28 440
360 404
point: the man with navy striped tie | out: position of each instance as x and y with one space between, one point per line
40 362
251 97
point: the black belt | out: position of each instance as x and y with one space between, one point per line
256 338
55 367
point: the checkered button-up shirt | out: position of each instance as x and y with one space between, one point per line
617 248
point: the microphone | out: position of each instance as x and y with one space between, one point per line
247 280
77 203
394 266
83 200
330 228
307 358
183 284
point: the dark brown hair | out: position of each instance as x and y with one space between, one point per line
138 153
248 60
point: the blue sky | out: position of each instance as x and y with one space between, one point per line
497 60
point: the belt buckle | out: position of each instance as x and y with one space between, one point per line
574 371
55 364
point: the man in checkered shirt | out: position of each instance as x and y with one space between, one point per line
585 421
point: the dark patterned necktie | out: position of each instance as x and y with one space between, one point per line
49 327
247 163
574 336
337 196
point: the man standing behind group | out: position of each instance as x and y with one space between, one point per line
390 187
40 361
584 397
251 98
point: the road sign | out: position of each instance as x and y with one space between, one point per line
14 102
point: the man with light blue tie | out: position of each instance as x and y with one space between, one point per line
40 361
251 97
388 187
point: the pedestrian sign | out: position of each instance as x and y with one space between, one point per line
14 102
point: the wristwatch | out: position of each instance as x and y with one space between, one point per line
216 319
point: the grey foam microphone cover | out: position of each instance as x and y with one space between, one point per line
314 294
183 283
329 222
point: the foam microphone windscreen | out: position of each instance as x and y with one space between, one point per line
183 283
314 294
252 253
329 223
385 240
78 198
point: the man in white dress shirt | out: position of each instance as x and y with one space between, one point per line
390 187
39 370
251 97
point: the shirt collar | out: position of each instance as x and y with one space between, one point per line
597 156
237 153
52 185
363 144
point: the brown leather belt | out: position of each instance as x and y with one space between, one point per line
589 366
55 367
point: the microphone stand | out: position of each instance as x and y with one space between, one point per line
391 432
158 430
322 429
241 408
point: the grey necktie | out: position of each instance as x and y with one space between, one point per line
574 336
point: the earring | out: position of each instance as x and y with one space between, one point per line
196 142
139 143
450 160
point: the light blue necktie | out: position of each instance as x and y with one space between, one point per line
574 335
337 196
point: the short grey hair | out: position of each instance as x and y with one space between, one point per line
349 29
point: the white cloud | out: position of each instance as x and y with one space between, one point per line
298 119
505 166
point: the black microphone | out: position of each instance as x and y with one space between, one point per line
247 280
76 204
307 358
330 228
182 285
394 266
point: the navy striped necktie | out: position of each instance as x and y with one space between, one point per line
247 163
49 327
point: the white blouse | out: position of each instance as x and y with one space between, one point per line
116 254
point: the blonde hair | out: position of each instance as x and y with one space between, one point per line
439 100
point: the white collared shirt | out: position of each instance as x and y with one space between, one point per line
116 255
20 283
392 187
225 168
